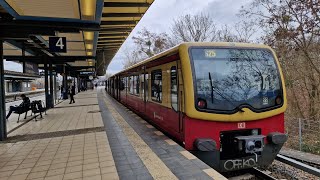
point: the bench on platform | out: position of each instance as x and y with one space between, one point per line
38 107
21 111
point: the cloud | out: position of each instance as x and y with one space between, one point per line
161 14
225 11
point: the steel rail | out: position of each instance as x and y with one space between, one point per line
262 174
299 165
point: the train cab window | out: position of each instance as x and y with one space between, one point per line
131 84
156 85
174 88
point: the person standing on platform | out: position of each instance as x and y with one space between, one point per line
72 92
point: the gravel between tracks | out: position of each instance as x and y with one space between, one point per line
284 171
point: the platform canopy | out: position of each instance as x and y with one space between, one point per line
94 30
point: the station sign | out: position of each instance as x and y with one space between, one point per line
42 73
58 44
86 73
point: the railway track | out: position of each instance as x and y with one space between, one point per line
262 174
17 98
256 173
297 163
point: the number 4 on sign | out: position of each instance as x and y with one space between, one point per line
60 43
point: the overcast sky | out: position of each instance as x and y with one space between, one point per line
12 66
161 14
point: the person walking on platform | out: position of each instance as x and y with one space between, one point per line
72 92
24 105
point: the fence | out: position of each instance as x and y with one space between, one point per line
303 134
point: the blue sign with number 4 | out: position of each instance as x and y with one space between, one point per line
58 44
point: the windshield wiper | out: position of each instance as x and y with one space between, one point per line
213 89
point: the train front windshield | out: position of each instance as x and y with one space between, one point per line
229 79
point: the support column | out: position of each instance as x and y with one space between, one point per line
23 55
74 84
46 83
65 83
55 88
51 100
3 122
78 82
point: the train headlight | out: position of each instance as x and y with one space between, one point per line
202 103
255 132
278 100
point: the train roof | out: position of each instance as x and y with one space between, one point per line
189 44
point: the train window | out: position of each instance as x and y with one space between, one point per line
142 85
122 84
136 85
131 84
147 87
126 83
156 85
174 88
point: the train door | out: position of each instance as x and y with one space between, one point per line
174 98
180 95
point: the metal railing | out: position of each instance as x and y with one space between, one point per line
304 134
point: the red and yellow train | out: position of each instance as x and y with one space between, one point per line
224 102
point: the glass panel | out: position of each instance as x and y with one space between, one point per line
137 85
131 84
147 87
228 78
174 88
156 85
142 86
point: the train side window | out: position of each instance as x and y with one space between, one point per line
136 85
131 84
156 85
122 84
174 88
142 85
147 86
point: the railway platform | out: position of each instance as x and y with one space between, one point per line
95 138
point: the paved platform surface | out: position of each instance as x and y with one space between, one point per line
68 143
96 138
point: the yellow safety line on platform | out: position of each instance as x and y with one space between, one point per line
153 163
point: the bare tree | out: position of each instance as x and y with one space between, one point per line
194 28
132 57
150 43
225 34
245 30
292 27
